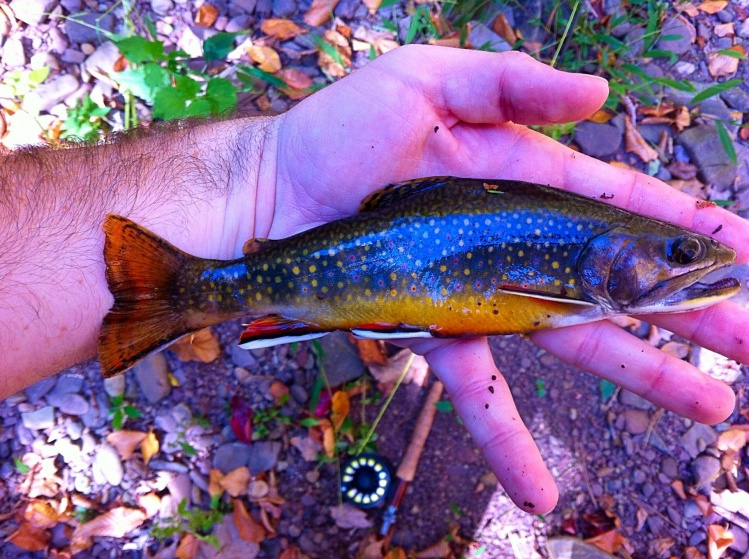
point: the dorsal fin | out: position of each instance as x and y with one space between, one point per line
256 245
394 192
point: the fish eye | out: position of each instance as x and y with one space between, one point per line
686 250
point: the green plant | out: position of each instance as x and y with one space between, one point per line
84 121
120 412
266 418
19 82
20 467
196 521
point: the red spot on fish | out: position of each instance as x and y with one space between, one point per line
352 258
413 289
455 260
478 285
304 289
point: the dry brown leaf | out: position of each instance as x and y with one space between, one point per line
718 540
115 523
206 15
390 372
693 187
642 517
266 58
281 29
201 346
328 438
263 102
291 552
682 118
249 530
188 548
689 9
692 553
503 28
396 553
295 78
385 45
601 116
682 170
278 390
675 349
452 41
722 64
610 541
214 483
660 546
731 440
307 446
340 406
348 516
371 352
706 508
435 551
125 442
30 538
372 5
149 447
327 63
370 547
678 486
235 482
635 143
724 29
319 12
712 6
151 503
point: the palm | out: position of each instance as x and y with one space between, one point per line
378 127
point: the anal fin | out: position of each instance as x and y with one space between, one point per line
276 330
382 331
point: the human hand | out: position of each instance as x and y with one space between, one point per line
423 111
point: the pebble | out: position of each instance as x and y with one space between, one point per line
669 467
246 6
182 414
162 7
180 487
703 145
88 30
684 68
284 8
39 389
341 361
598 140
166 422
41 59
32 12
705 470
231 456
299 393
107 465
152 375
263 456
43 418
114 386
166 466
736 98
74 404
697 438
636 422
678 25
633 400
740 540
743 29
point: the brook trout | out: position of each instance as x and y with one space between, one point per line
436 257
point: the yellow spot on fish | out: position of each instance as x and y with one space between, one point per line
340 285
324 290
265 267
291 285
312 269
305 252
258 296
467 271
278 279
295 269
572 281
339 264
555 265
219 298
210 297
443 268
259 279
557 283
181 289
314 283
468 255
521 254
393 276
393 292
443 292
567 270
368 292
269 290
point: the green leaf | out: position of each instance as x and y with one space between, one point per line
715 90
118 419
189 87
39 75
732 53
200 108
723 203
660 53
132 412
540 388
116 401
188 449
144 81
151 27
681 85
222 94
316 391
260 74
445 406
607 389
726 142
309 422
170 103
329 49
218 46
137 49
21 468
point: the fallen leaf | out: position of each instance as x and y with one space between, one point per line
214 483
682 170
731 440
635 143
682 118
660 546
340 408
125 442
151 503
693 187
266 58
343 29
692 553
610 541
712 6
188 548
642 517
675 349
336 67
240 419
235 482
257 489
372 6
206 15
278 390
370 547
390 372
721 64
281 29
503 28
371 352
706 508
263 102
396 553
295 78
678 486
689 9
435 551
115 523
308 447
718 540
385 45
724 29
328 437
319 12
323 404
348 516
601 116
30 538
249 530
149 447
201 346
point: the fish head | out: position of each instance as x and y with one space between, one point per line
654 268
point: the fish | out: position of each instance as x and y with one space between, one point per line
438 257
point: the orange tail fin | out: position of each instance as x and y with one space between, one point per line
142 273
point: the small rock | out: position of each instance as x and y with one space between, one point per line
263 456
482 36
238 23
39 389
74 429
103 59
703 145
736 98
341 360
743 29
242 357
633 400
87 27
740 539
299 394
284 8
166 466
716 365
346 9
71 453
73 56
669 467
639 476
705 470
182 414
153 378
74 404
598 140
166 422
57 41
697 437
32 12
114 386
180 488
636 421
162 7
107 465
246 6
231 456
677 26
41 59
684 68
43 418
312 476
647 490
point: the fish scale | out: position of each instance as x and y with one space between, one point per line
435 257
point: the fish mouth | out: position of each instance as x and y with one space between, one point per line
694 296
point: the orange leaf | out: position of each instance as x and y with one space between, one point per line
339 408
435 551
201 346
125 442
731 440
235 482
307 446
281 29
396 553
214 483
115 523
601 116
385 45
188 548
151 503
249 530
692 553
372 5
689 9
621 165
41 514
291 552
266 58
206 15
319 12
706 508
327 63
278 389
718 540
298 83
610 541
371 352
635 143
503 28
149 447
29 537
721 64
712 6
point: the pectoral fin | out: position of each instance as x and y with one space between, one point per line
546 296
276 330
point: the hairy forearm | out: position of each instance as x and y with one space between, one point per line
197 186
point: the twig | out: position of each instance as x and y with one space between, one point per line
584 472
